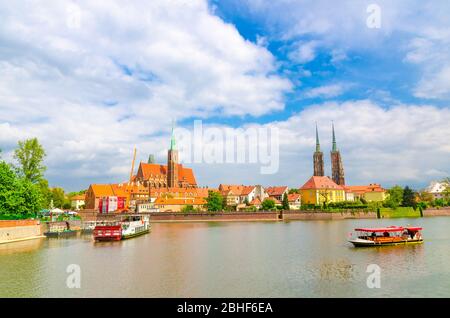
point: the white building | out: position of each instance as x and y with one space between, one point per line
77 202
437 188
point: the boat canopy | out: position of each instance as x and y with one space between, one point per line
381 229
413 228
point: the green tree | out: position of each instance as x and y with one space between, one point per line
285 202
214 201
30 156
446 192
268 204
408 197
395 198
45 192
18 196
58 197
9 197
291 191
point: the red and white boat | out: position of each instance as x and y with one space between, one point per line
131 226
382 236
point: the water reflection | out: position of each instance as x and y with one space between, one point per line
21 246
239 259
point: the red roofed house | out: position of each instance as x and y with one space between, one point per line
318 190
77 201
238 195
294 200
277 192
370 193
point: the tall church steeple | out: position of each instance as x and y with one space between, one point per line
318 158
172 162
337 168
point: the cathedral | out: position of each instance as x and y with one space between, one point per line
337 168
172 175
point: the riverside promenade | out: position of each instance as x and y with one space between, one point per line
20 230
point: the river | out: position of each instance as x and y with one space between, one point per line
235 259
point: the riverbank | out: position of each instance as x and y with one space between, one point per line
20 230
159 217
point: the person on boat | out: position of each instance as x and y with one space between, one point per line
386 234
405 235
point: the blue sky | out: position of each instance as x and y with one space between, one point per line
93 80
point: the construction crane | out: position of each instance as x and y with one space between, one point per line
130 182
132 165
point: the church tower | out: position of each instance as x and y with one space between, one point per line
172 164
337 168
318 158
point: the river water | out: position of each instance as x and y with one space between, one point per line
235 259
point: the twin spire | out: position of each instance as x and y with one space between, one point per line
334 147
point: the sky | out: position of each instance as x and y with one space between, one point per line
93 79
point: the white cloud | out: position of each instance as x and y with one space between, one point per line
417 30
91 79
303 52
326 91
403 144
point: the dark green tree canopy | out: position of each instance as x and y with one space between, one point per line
214 201
268 204
408 197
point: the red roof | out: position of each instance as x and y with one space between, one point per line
256 201
236 189
153 170
373 187
318 183
293 197
276 191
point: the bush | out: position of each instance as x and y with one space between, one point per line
188 208
348 205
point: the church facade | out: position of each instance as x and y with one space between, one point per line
172 175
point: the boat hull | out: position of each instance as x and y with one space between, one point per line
128 236
107 233
367 243
60 234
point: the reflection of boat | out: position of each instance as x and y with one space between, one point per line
60 229
131 226
88 227
391 235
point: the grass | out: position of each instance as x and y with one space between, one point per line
400 212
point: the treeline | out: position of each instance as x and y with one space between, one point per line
23 189
407 197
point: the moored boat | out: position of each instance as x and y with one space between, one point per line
111 231
59 229
391 235
135 226
130 226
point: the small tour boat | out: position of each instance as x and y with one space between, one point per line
391 235
60 229
131 226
